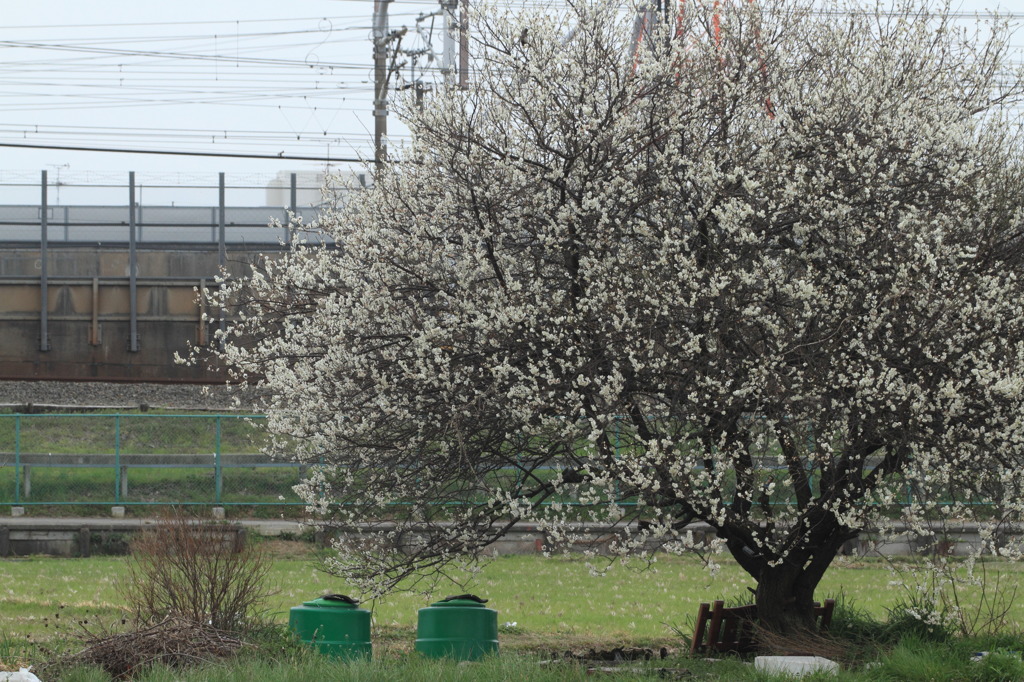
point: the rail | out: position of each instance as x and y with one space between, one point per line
147 458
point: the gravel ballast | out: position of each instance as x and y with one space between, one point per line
100 394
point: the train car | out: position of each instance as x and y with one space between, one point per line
113 292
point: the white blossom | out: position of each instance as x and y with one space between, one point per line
763 280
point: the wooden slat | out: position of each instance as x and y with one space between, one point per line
697 645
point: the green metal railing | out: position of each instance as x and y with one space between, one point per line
163 459
141 459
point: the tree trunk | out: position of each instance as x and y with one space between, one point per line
785 586
785 599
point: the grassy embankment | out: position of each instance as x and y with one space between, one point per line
65 485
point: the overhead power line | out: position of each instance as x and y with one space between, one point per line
246 68
157 53
230 22
167 152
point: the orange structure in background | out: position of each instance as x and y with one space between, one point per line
648 17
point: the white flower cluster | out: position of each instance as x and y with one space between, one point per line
762 277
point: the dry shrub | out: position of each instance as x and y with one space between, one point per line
174 642
803 643
197 571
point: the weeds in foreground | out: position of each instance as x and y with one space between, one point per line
14 654
967 660
512 668
944 596
273 655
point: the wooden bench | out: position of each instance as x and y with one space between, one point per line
720 629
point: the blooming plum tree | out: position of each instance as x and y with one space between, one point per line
753 266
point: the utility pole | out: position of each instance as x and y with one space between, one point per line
456 28
380 80
448 8
455 50
464 46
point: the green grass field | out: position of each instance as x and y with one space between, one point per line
544 606
547 598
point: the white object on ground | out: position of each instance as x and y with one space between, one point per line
794 665
22 675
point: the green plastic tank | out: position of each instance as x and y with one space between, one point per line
334 625
458 627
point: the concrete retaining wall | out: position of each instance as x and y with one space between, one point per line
86 537
20 536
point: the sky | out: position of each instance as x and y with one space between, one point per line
253 77
224 76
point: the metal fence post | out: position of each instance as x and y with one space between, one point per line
222 255
323 486
44 302
222 251
117 458
133 268
218 475
617 421
17 458
293 206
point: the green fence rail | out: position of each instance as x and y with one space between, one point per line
161 459
141 459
